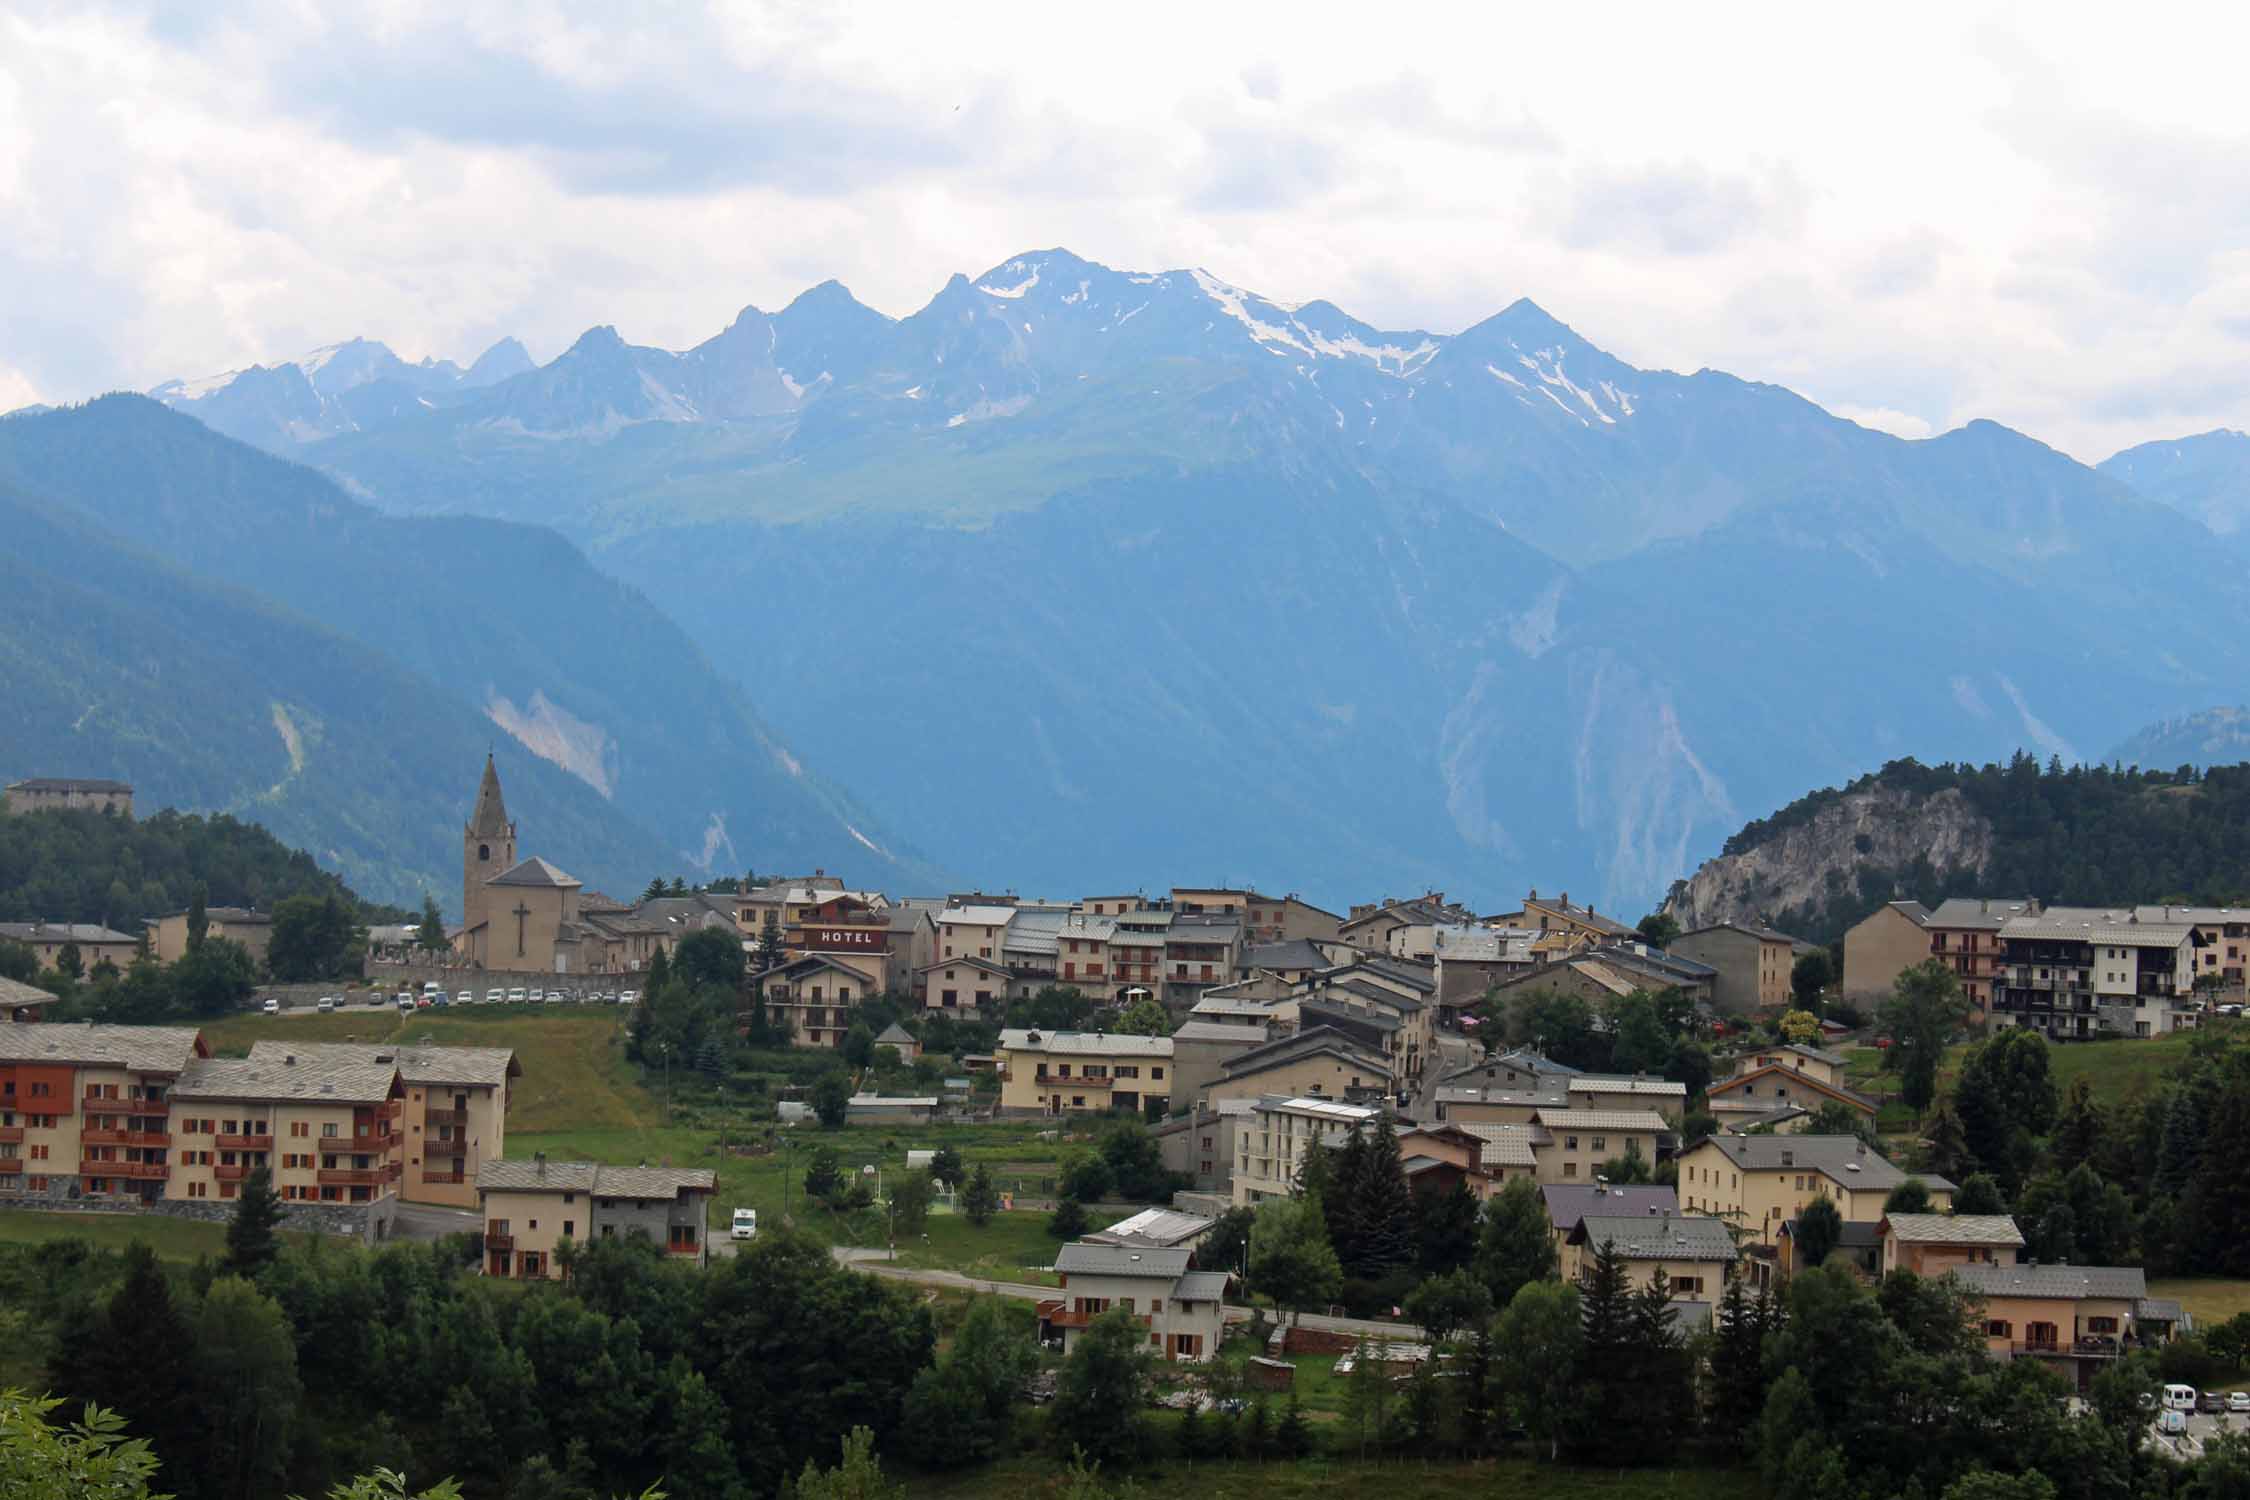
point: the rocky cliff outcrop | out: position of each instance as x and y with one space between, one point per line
1879 827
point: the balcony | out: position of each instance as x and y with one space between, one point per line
433 1118
456 1146
688 1249
235 1173
1057 1314
246 1142
501 1242
354 1176
138 1171
1072 1083
10 1164
11 1135
124 1138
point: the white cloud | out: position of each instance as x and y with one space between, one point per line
2029 216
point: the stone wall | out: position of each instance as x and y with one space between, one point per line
369 1223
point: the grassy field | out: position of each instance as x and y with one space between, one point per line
2208 1299
171 1239
2115 1068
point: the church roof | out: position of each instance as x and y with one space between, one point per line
532 871
490 819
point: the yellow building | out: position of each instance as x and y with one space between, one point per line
454 1108
85 1111
168 934
1271 1146
1580 1140
1695 1253
1933 1244
817 995
532 1207
1760 1182
1884 944
93 941
328 1129
1321 1062
1082 1072
2076 1320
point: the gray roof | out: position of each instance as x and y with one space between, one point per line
1655 1237
1084 1259
1304 1044
67 784
895 1035
138 1049
1547 1098
1252 1035
1955 1229
534 872
2157 1309
1841 1158
1602 1119
65 932
1606 1083
422 1066
1297 953
1758 930
2068 1282
1153 1226
519 1175
1507 1145
489 819
277 1081
1521 1061
1200 1286
1088 1043
1799 1049
2113 928
15 992
1568 1202
1978 913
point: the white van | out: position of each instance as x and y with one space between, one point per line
2179 1398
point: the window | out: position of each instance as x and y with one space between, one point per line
329 1129
534 1223
1158 1072
1570 1143
299 1128
570 1228
1570 1169
1601 1143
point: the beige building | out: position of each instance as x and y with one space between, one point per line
2076 1320
1563 926
1754 964
1182 1310
817 996
1201 1051
85 1109
1271 1146
1772 1084
1284 919
1760 1182
1201 1142
532 1207
972 932
168 934
970 987
327 1128
1934 1244
1695 1253
1580 1140
453 1108
1622 1091
50 793
93 941
1319 1062
1883 945
1082 1072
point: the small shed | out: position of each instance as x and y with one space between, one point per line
1263 1374
900 1040
885 1109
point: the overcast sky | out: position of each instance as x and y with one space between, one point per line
1914 218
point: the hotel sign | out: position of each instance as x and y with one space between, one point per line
846 939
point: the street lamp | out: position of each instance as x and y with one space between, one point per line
664 1049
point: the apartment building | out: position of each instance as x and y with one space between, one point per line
817 995
1200 953
1760 1182
1754 964
168 934
1182 1310
1270 1146
1564 927
1622 1091
1578 1141
1883 945
1965 937
972 987
85 1109
531 1207
1082 1072
94 942
973 932
453 1114
1201 1142
2074 973
328 1128
1318 1061
1783 1087
778 905
1695 1252
1287 919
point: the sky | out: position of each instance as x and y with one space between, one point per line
1913 215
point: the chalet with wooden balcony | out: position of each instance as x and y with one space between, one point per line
85 1109
450 1118
1181 1312
323 1127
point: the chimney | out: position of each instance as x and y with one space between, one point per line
539 1161
1566 900
289 1059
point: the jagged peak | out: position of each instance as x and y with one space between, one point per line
600 339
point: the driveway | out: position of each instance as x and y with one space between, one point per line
428 1221
873 1262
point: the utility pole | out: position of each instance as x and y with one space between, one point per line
665 1049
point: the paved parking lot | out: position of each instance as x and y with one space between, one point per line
2201 1428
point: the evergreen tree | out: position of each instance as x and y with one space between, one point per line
1980 1194
2078 1134
1516 1244
658 974
948 1168
1445 1229
1820 1228
198 916
430 936
137 1356
1295 1437
252 1244
698 1464
1346 1202
980 1200
1738 1372
1101 1390
2186 1121
1662 1373
1068 1221
1257 1435
1385 1212
1945 1146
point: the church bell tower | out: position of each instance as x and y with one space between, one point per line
488 845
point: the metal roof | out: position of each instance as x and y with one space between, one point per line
2061 1282
1307 1104
1568 1202
137 1049
1084 1259
1954 1229
1655 1237
276 1080
475 1067
1165 1227
976 916
1597 1083
1251 1035
1089 1043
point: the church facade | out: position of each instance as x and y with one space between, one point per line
516 913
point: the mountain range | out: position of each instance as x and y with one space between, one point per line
1091 577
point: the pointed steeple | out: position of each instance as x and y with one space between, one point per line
490 820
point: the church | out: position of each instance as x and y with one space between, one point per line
515 914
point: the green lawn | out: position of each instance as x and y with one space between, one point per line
171 1239
2208 1299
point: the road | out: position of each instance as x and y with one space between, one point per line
2201 1429
871 1261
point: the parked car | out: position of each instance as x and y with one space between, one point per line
554 997
325 1004
2213 1403
2238 1401
272 1007
2172 1424
629 997
745 1224
538 995
406 1002
495 997
515 996
2179 1398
